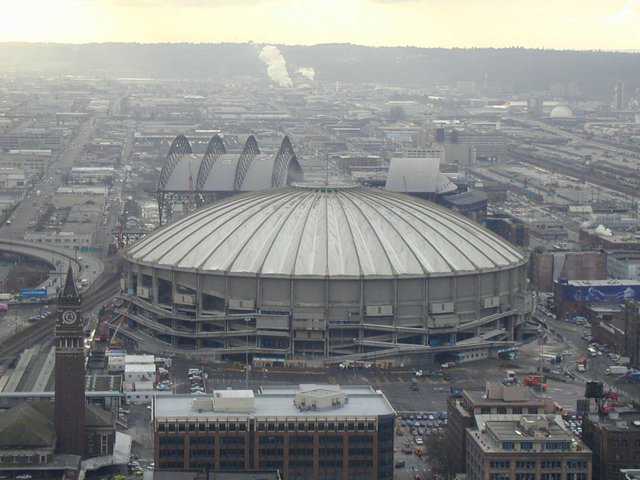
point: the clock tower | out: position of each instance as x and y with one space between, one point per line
70 401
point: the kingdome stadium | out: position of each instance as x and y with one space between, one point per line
325 272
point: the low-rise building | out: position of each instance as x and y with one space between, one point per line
32 162
495 400
139 378
525 447
310 432
614 439
92 174
573 297
12 179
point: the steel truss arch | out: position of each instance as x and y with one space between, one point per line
249 153
285 162
180 146
215 148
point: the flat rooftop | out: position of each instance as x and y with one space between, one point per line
621 420
479 398
512 430
363 401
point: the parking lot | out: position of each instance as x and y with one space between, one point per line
419 399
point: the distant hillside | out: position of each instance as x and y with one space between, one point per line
508 70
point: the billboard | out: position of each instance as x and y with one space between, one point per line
611 294
33 292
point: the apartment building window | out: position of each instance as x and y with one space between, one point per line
549 464
576 464
525 476
551 476
500 464
526 445
556 445
507 445
576 476
526 465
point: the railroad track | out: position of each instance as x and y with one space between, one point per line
105 288
598 178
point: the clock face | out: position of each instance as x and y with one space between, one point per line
69 317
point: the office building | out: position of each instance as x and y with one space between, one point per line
497 400
526 447
308 432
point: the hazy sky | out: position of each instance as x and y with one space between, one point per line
579 24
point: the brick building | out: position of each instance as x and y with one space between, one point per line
615 441
617 326
525 447
307 432
496 400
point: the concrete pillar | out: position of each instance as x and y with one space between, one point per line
154 286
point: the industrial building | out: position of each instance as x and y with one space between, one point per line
306 432
617 326
526 447
574 297
321 272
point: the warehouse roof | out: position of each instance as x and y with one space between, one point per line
325 232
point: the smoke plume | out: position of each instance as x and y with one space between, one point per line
276 66
307 72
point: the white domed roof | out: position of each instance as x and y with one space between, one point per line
561 111
325 232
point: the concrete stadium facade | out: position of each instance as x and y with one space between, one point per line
324 273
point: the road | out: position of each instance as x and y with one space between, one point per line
35 204
596 365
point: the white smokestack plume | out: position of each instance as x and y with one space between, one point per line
276 66
307 72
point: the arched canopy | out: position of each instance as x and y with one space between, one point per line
215 148
218 171
179 147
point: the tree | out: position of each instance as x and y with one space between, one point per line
436 451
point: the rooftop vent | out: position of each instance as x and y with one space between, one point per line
319 397
538 427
